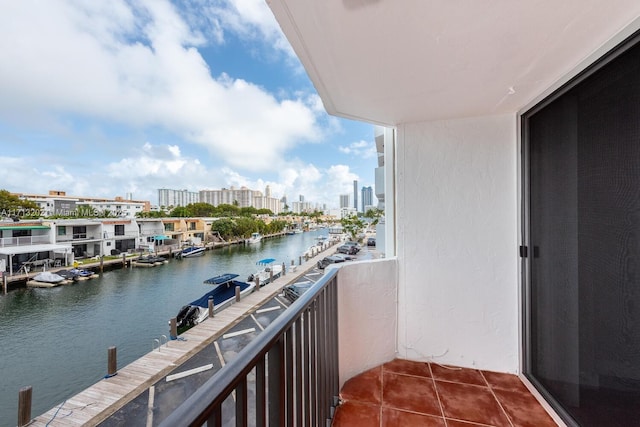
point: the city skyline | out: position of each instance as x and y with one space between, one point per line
115 98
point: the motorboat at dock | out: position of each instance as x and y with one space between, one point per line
190 251
47 279
255 238
266 273
77 274
148 261
223 294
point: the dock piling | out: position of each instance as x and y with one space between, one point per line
173 328
257 280
284 269
237 293
210 306
271 275
112 361
24 406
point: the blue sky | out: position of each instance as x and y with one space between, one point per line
105 98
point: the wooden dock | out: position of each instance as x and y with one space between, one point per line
98 402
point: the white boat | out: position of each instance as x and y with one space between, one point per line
268 271
191 251
222 294
255 238
46 279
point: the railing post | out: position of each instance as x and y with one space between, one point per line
275 379
24 406
112 362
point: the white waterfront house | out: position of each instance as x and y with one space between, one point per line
96 237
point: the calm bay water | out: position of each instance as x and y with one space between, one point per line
56 340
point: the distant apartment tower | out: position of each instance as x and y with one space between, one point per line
355 194
344 201
168 197
242 197
367 198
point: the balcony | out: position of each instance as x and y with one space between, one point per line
78 237
23 241
331 358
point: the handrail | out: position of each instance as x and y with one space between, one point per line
205 403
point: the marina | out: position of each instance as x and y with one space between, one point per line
56 340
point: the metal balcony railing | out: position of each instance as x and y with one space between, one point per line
295 366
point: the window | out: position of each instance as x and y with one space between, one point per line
62 230
168 226
80 232
119 230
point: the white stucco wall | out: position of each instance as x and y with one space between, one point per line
457 242
367 313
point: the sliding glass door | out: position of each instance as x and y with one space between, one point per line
581 175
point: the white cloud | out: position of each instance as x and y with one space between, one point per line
93 79
137 65
363 149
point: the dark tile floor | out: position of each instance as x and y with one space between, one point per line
404 393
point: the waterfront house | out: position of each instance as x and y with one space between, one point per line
511 182
84 235
26 245
119 235
154 233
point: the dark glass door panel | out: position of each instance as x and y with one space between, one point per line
583 284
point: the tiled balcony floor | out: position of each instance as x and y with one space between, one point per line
405 393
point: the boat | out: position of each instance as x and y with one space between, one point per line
255 238
77 274
148 261
223 294
47 279
191 251
265 273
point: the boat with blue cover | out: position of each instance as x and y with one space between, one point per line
223 294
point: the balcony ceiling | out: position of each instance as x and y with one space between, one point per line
391 62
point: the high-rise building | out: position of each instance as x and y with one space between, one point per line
355 194
344 201
242 197
174 198
367 198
